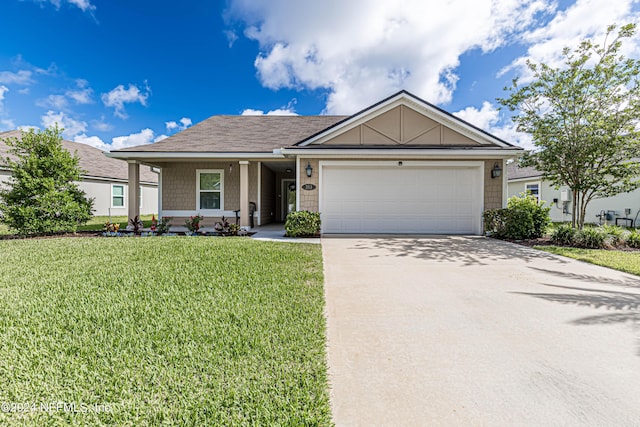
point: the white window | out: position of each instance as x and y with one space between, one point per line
533 189
209 189
117 196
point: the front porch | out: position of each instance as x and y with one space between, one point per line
258 191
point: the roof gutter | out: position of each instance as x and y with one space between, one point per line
502 153
150 155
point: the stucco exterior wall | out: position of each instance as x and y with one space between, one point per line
617 203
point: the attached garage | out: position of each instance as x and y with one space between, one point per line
402 197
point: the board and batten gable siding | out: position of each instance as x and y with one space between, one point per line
310 200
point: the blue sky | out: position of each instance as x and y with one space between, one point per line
116 73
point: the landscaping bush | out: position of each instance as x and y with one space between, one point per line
633 239
591 238
302 224
42 196
616 236
564 235
524 218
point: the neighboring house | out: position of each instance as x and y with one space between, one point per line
399 166
623 209
103 179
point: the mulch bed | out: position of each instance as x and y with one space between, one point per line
94 233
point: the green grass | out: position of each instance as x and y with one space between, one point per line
619 260
163 330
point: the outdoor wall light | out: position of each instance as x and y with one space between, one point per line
230 167
496 172
309 169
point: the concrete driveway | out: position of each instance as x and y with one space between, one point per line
473 331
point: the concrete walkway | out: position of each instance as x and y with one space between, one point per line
473 331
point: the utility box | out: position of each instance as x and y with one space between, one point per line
565 195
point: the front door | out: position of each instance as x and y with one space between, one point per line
288 197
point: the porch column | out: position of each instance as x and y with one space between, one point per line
244 193
134 188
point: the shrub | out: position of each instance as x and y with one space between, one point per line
616 236
564 235
164 225
524 218
193 223
41 195
633 239
591 238
302 223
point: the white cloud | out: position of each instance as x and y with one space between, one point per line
160 138
93 141
84 5
3 91
58 102
278 112
584 19
101 125
83 93
363 50
483 118
288 110
7 124
119 96
145 136
22 77
488 119
71 126
182 124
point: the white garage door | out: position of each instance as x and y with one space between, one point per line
401 199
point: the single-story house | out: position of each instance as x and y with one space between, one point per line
401 165
623 209
103 179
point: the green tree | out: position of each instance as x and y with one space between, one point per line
41 195
584 120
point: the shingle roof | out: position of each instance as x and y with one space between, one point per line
92 160
516 172
247 134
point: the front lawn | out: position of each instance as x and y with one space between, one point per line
619 260
162 330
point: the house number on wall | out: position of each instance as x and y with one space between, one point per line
308 187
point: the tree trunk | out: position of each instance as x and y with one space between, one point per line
583 209
574 207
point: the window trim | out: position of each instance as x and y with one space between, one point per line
140 197
210 211
124 196
538 183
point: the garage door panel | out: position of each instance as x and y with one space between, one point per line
387 199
